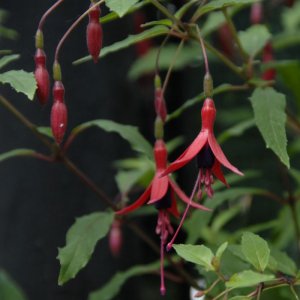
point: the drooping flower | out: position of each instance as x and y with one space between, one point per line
207 151
161 192
115 238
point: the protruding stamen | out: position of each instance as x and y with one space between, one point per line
170 244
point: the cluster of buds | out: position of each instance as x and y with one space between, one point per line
94 35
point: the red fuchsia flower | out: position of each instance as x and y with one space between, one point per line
207 151
161 192
94 33
268 56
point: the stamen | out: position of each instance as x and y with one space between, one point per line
170 244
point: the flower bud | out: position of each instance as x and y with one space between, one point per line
115 238
160 104
256 14
41 76
267 56
59 117
58 91
94 33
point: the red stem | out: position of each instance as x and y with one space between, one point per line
48 12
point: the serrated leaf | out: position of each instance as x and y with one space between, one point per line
112 288
270 118
9 290
284 263
220 4
15 153
255 250
20 81
113 15
198 254
5 60
221 250
247 278
130 40
121 7
254 39
81 240
127 132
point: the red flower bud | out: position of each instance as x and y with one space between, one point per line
115 238
94 33
41 76
160 104
256 14
59 118
289 3
58 91
269 74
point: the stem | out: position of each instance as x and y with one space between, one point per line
172 65
225 60
222 294
72 27
259 290
48 12
166 12
235 35
25 121
170 244
159 51
88 182
204 53
296 223
294 292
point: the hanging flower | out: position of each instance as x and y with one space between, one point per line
161 192
207 152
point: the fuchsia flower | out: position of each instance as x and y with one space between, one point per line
207 151
161 192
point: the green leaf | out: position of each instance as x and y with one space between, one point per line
290 18
284 264
114 16
184 8
213 22
15 153
127 132
255 250
199 255
21 81
220 4
130 40
240 298
270 118
221 250
45 130
247 279
121 7
5 60
9 290
146 64
81 240
236 130
112 288
254 39
286 39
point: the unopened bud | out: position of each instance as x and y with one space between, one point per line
115 238
157 82
160 104
94 33
59 118
57 71
256 14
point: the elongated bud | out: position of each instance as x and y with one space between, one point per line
57 71
256 14
59 114
41 76
160 104
59 118
208 85
268 56
116 238
94 33
159 128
